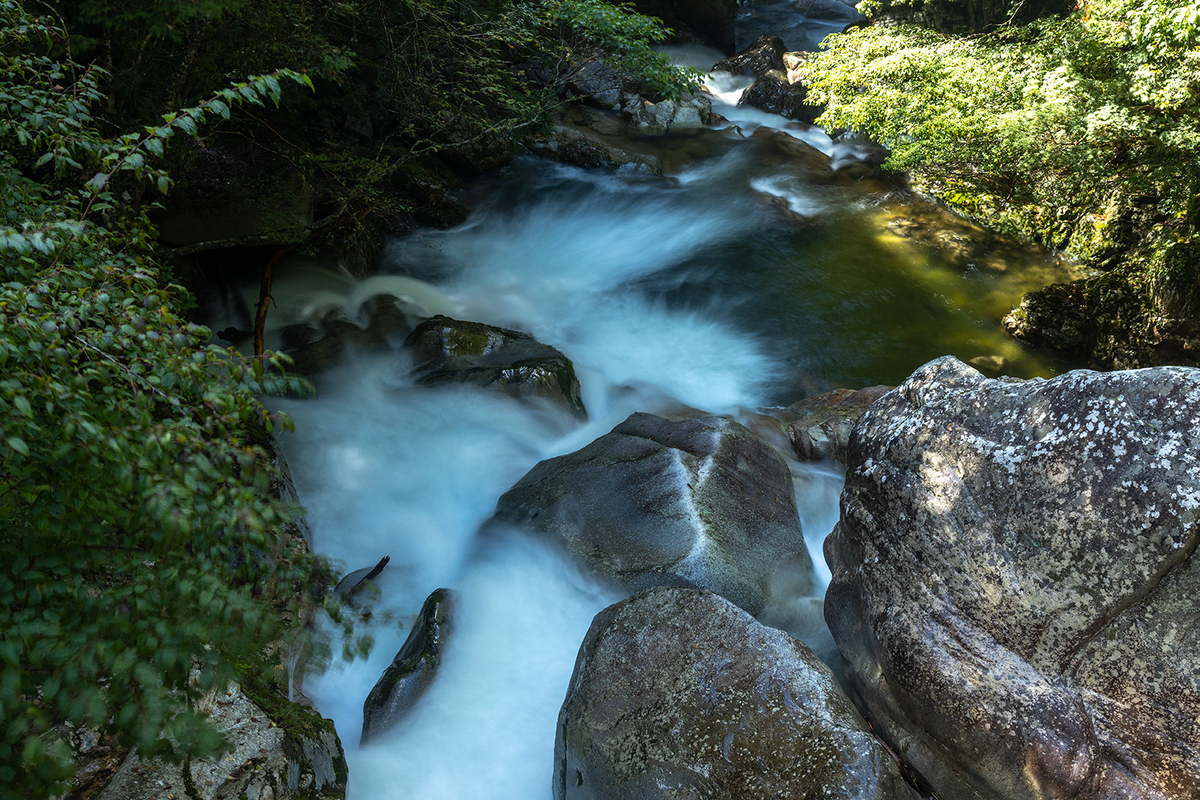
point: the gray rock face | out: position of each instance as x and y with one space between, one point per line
777 148
822 424
764 55
677 693
412 671
1015 586
703 501
453 351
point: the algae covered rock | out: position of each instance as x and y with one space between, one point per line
412 671
1015 586
702 501
677 693
453 351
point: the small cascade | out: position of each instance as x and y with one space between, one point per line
737 284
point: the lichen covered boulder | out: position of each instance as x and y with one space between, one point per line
1015 587
702 501
453 351
677 693
412 671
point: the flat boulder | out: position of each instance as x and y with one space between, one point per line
678 693
1015 586
455 351
701 502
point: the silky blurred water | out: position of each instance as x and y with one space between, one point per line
733 284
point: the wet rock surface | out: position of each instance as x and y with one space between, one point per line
454 351
777 148
764 55
775 94
1015 586
677 693
700 502
412 671
580 148
822 424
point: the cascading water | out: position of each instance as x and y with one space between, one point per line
704 290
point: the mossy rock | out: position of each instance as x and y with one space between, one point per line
451 351
1134 316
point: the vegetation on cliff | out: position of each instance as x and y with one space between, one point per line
1080 131
144 556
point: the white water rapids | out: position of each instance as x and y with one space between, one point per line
388 468
666 293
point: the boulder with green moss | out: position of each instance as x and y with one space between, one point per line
448 351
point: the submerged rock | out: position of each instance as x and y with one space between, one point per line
1015 585
779 149
677 693
581 148
701 502
821 425
453 351
314 348
412 671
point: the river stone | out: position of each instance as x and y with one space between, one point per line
702 501
677 693
822 424
773 93
1014 582
763 55
453 351
778 149
412 671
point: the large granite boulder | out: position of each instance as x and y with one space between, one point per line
454 351
677 693
701 502
412 671
1015 588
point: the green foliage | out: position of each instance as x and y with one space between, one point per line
142 554
1082 132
